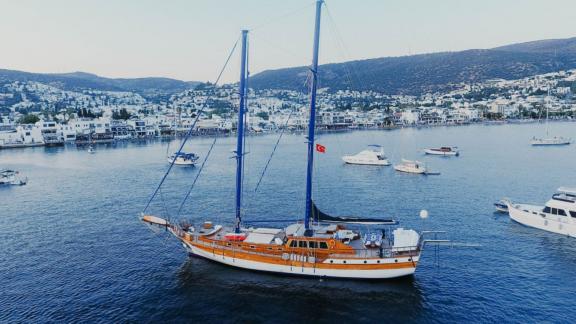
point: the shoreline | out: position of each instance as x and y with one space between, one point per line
319 130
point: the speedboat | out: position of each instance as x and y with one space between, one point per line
11 177
444 150
557 216
368 157
182 158
502 205
91 149
556 140
410 166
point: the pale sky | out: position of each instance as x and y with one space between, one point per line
190 39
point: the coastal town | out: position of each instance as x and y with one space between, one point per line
38 114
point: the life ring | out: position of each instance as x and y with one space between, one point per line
332 243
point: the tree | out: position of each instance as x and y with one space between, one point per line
263 115
28 119
122 114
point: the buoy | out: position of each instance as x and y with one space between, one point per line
423 214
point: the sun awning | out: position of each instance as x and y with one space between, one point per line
319 216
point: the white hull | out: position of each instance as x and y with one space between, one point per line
353 160
309 271
532 216
501 210
405 169
435 152
182 162
550 141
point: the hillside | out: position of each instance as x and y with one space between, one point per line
416 74
77 81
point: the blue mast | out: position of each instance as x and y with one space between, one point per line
240 143
312 122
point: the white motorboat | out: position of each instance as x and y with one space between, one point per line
182 158
502 205
557 216
444 151
11 177
556 140
374 156
410 166
91 149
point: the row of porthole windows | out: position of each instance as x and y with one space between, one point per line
377 261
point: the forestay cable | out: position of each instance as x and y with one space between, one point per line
273 151
188 133
196 178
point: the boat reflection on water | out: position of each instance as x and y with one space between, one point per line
304 299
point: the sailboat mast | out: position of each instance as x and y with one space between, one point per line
240 141
312 121
547 103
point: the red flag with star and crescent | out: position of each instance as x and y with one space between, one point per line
320 148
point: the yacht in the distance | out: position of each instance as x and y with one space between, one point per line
557 216
444 151
556 140
373 156
502 205
181 158
11 177
410 166
545 141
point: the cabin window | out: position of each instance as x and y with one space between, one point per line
313 244
573 214
252 247
547 210
561 212
302 244
554 211
293 243
323 245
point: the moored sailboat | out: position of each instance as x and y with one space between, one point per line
548 141
320 245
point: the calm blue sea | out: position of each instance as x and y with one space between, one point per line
72 248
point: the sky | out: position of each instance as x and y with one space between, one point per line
191 39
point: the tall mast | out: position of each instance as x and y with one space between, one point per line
240 141
312 121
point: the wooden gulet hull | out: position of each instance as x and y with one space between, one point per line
299 264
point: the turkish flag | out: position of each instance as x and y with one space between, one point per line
320 148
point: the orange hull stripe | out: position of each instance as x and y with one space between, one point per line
276 260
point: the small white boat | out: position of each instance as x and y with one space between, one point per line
368 157
556 140
444 151
546 141
11 177
502 205
91 150
410 166
183 158
557 216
